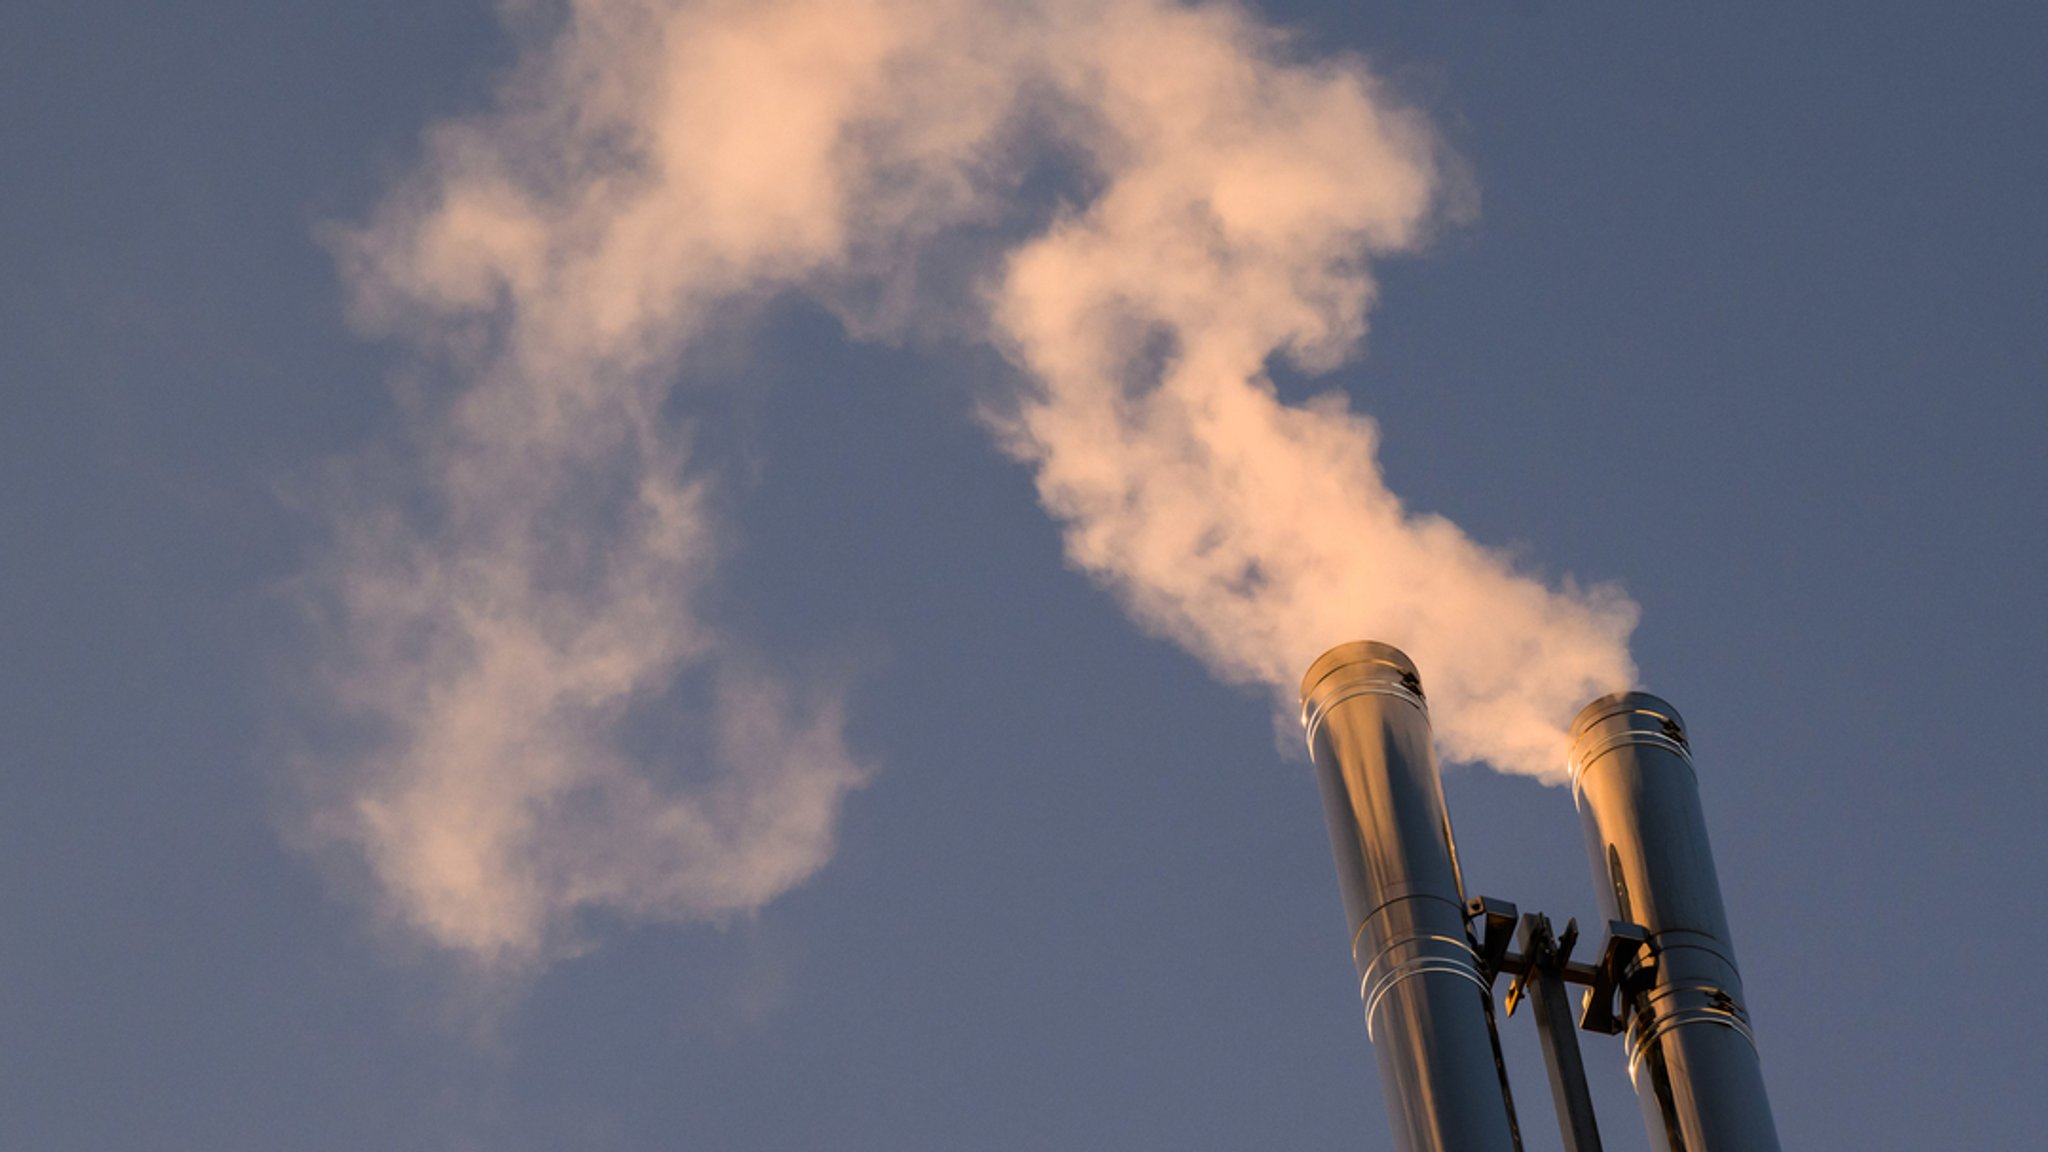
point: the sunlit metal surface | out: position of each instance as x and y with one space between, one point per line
1690 1049
1426 1000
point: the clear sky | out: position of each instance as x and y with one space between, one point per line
1738 310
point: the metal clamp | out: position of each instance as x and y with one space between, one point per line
1626 943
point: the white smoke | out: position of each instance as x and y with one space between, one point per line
499 606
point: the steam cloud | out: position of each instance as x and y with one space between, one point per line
498 606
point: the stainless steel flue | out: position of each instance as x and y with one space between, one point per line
1691 1054
1427 1003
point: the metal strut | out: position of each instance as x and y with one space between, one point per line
1541 967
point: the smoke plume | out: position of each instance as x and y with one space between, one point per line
499 603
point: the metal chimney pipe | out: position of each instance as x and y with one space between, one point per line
1691 1055
1427 1003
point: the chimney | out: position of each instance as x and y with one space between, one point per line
1428 1003
1690 1052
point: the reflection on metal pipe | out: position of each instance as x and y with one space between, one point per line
1427 1003
1690 1051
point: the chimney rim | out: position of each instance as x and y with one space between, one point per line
1630 702
1356 652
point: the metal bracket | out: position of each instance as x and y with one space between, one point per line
1497 920
1625 944
1541 967
1543 952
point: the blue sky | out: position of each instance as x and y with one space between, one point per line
1747 319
